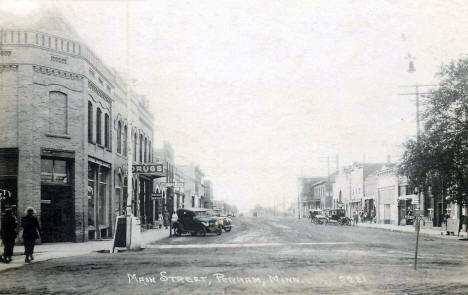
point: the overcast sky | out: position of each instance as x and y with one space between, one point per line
261 92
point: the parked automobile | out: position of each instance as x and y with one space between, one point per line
318 216
227 223
335 215
196 221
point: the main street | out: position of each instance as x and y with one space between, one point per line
260 255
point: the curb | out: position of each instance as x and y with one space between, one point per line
446 237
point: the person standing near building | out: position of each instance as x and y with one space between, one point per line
166 219
8 234
31 232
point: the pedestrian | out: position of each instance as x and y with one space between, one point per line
8 234
160 220
166 219
31 232
355 218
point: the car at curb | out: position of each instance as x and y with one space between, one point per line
197 222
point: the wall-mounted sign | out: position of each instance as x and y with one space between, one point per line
151 169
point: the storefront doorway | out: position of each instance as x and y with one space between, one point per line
57 201
57 213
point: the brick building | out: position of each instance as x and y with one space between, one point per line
68 127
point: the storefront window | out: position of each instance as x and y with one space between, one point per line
102 196
91 191
125 195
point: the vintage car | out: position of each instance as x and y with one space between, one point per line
196 221
318 216
335 215
227 223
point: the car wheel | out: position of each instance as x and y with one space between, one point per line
178 231
227 229
202 231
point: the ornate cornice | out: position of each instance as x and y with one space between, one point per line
99 92
57 73
8 67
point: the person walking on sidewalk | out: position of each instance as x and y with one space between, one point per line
166 219
8 234
31 232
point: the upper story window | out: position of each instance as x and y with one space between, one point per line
125 141
90 121
135 139
146 150
98 126
119 138
141 148
106 131
150 152
58 112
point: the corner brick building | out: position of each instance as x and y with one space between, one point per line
67 126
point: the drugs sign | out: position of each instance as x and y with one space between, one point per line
149 169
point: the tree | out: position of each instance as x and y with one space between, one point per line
440 158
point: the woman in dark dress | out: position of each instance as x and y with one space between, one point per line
31 232
8 234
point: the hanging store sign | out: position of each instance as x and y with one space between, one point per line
149 169
158 192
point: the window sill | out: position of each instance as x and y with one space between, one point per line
109 150
58 135
91 142
100 145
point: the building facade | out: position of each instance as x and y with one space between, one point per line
69 125
208 201
193 186
307 199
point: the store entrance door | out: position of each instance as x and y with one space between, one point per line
57 213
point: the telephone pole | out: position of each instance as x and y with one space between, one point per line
420 205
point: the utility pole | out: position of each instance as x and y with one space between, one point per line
420 206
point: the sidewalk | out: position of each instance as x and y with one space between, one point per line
49 251
430 232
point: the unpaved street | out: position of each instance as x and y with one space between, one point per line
261 255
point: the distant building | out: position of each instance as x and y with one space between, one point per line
193 186
307 199
349 187
208 200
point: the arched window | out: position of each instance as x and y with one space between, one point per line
135 139
141 147
125 141
146 150
98 125
90 121
119 138
150 152
106 131
58 112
